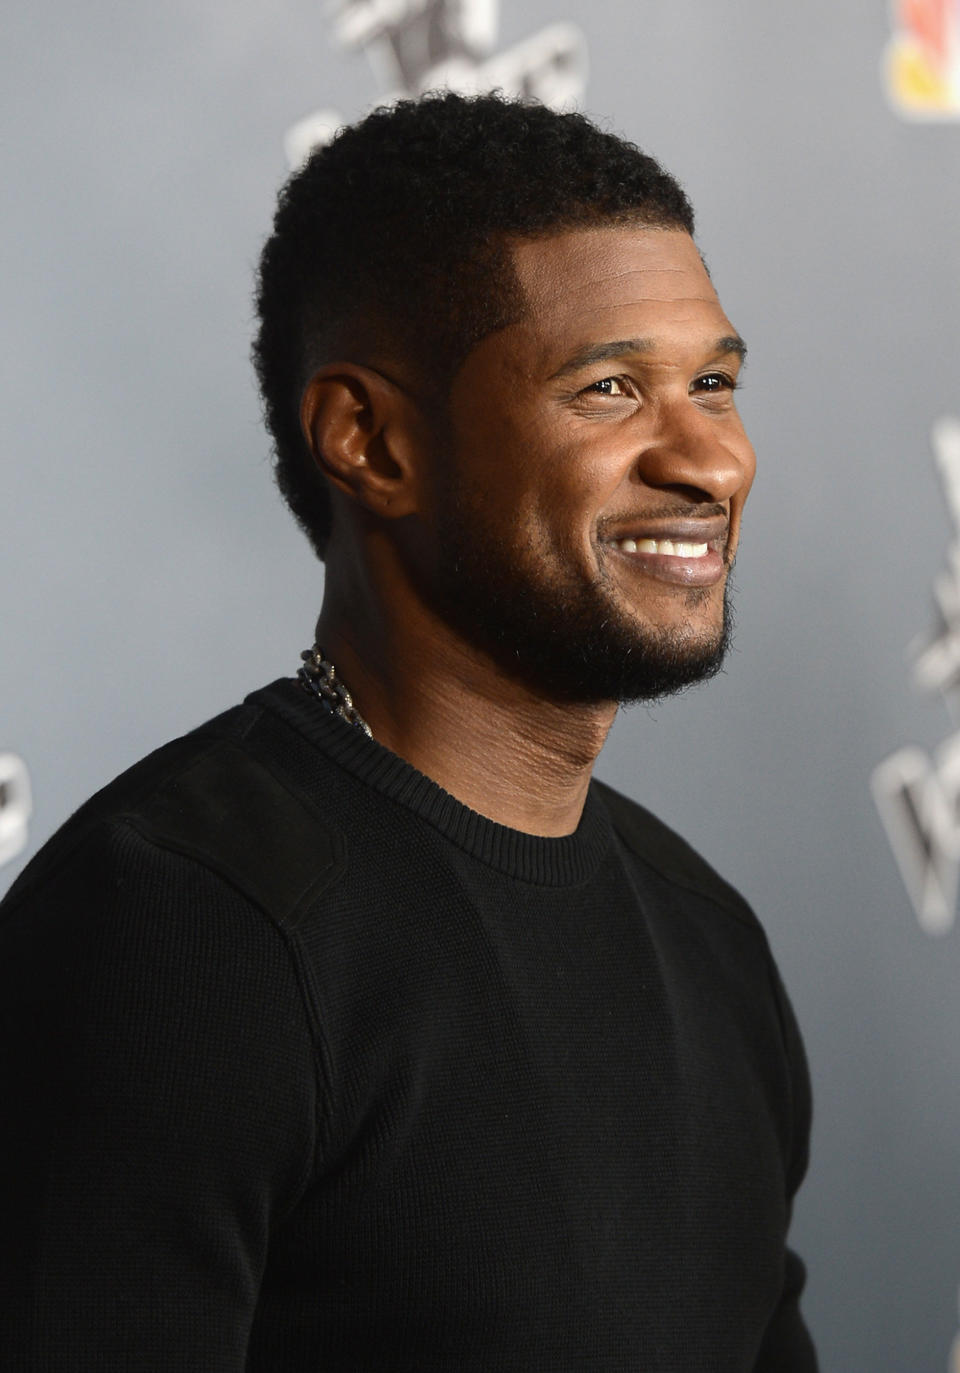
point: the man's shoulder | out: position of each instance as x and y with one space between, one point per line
659 847
219 796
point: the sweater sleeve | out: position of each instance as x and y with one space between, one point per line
787 1346
159 1098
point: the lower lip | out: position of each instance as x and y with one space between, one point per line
705 571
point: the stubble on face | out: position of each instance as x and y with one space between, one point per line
603 416
565 636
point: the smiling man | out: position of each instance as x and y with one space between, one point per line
361 1029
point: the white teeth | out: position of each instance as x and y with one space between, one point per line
666 548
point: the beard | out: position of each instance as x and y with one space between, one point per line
564 635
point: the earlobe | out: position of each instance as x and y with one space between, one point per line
361 429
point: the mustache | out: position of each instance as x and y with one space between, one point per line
671 510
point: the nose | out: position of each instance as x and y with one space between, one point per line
704 455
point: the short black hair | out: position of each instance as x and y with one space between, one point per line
396 237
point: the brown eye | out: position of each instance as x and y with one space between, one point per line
608 386
715 382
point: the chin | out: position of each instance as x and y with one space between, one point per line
579 639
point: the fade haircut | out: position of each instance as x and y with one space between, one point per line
394 240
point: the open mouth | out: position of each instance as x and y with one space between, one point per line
666 548
681 559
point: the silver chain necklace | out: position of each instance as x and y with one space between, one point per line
319 676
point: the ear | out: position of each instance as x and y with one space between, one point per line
366 436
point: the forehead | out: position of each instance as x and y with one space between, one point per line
613 282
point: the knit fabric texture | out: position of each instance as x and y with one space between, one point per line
307 1066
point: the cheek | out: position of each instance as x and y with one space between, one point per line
544 485
573 498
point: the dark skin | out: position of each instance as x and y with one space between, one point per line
604 417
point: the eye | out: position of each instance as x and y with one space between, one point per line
714 383
608 386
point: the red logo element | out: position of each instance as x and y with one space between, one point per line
922 62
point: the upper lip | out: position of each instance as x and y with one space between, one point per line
696 529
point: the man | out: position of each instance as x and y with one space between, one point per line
422 1050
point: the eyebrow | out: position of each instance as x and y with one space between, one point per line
618 348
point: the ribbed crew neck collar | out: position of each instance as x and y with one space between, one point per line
531 857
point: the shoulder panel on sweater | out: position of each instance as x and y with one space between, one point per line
663 850
228 810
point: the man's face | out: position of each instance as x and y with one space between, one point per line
588 507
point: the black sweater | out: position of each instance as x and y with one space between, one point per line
306 1066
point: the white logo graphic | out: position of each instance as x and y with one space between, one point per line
918 796
15 806
955 1350
420 45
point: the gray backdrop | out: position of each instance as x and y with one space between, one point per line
149 575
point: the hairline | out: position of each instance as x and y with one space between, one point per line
385 355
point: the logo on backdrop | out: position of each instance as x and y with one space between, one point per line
921 66
418 45
955 1350
15 806
918 795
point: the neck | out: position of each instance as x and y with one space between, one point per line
512 755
